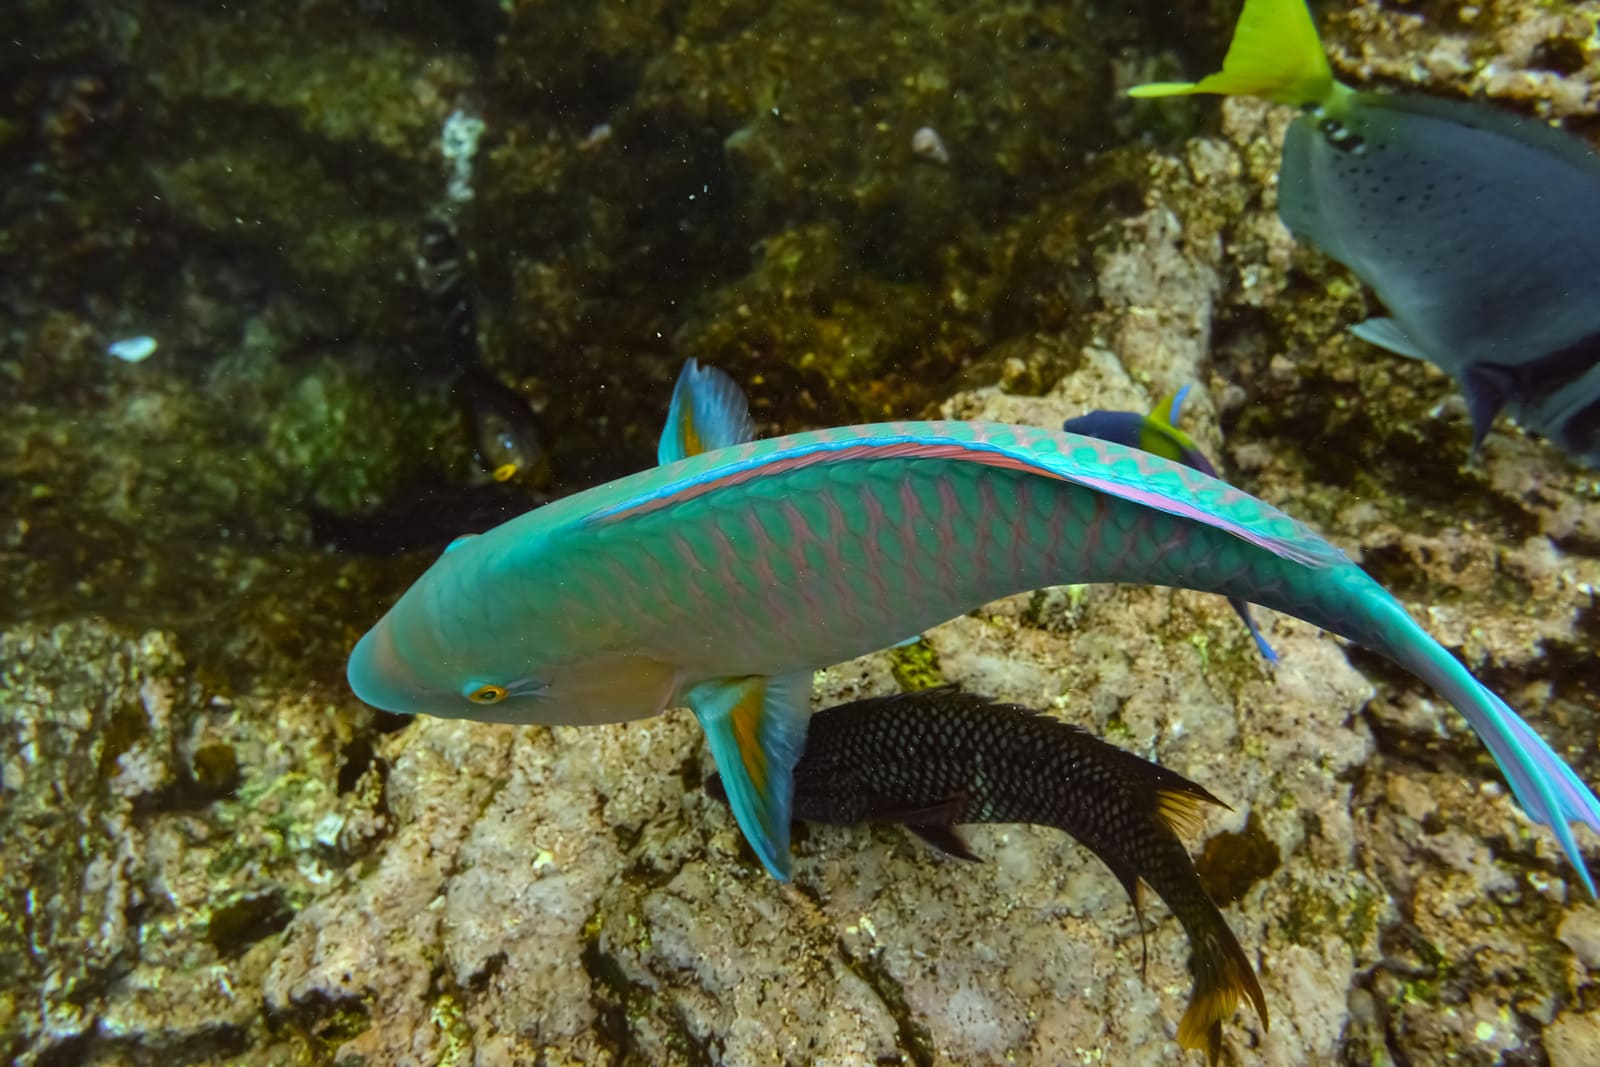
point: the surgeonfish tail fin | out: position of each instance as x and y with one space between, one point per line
1275 54
1222 976
709 411
1546 787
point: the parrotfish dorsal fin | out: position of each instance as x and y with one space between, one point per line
1276 54
709 411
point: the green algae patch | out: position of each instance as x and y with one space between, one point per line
916 666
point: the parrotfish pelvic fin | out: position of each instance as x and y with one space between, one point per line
709 411
757 731
1276 55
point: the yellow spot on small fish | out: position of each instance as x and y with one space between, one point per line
505 472
1484 1031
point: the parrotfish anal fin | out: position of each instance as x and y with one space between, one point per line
757 730
1242 609
1386 333
945 839
1275 55
709 411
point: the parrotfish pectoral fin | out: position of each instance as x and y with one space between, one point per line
1386 333
709 411
1243 611
757 731
1275 54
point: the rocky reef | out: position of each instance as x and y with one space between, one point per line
210 852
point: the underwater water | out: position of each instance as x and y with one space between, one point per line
293 293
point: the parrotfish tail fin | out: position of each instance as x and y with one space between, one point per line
757 731
1275 54
1222 976
709 411
1243 611
1548 790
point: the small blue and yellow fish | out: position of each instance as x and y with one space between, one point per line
1479 229
1158 434
932 759
723 580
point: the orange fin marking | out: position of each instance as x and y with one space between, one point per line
746 721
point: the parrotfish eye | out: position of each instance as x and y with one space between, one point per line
505 472
488 694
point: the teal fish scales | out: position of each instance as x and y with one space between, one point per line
724 580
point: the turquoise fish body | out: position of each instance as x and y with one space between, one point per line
725 579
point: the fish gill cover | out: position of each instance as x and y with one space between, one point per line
212 852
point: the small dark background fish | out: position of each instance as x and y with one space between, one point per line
932 759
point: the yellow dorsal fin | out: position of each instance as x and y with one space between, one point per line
1275 54
1183 812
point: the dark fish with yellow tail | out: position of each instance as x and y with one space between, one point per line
936 758
1478 229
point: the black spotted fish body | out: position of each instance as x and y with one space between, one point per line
934 759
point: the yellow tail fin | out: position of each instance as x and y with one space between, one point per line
1222 975
1275 54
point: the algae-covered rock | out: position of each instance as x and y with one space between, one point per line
213 853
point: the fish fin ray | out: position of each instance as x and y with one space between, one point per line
1548 790
1486 389
1222 977
1275 54
757 730
708 411
1242 609
944 837
1181 806
1387 334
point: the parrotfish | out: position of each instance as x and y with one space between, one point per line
504 430
723 580
932 759
1478 229
1158 433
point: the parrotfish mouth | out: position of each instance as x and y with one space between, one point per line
379 676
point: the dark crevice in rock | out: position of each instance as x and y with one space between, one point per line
619 1000
913 1038
236 926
